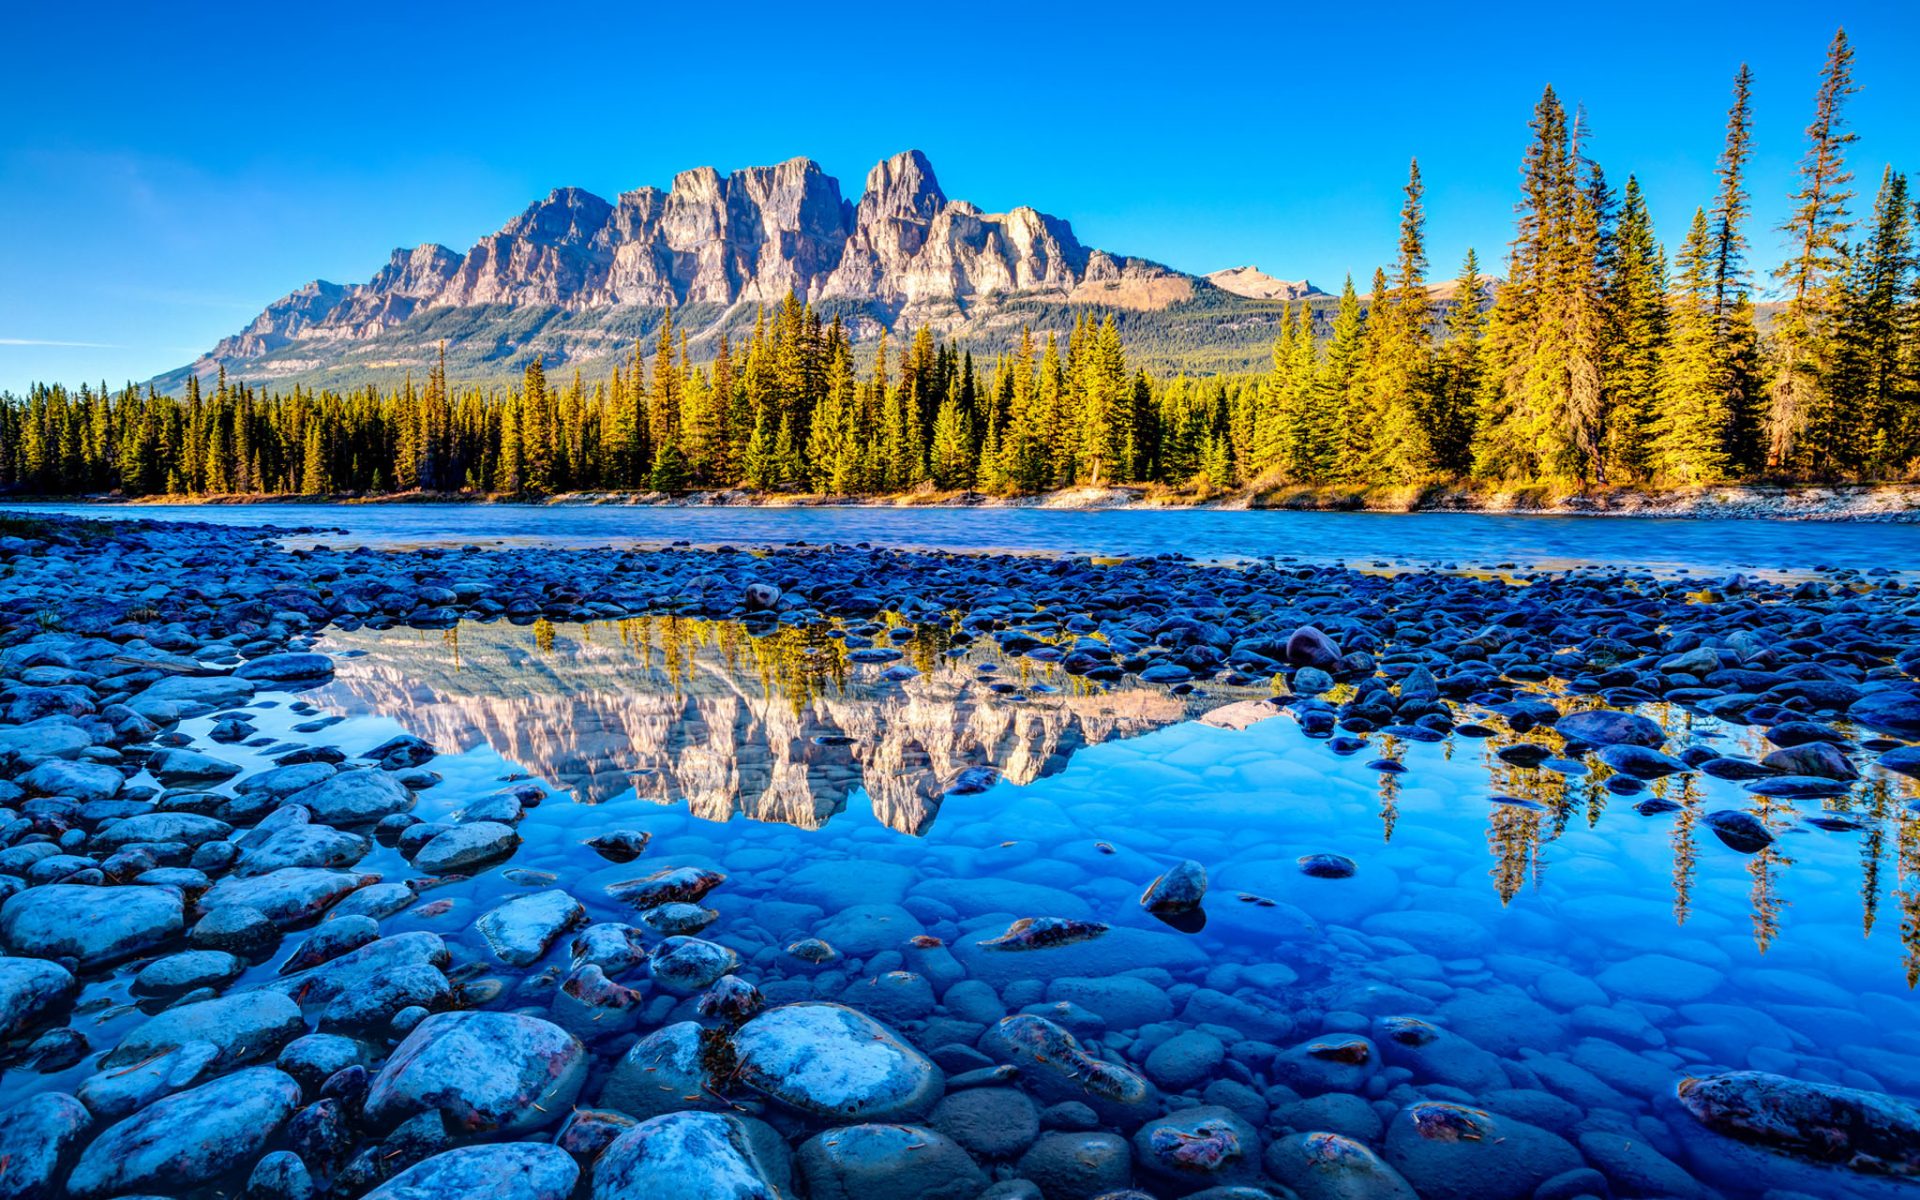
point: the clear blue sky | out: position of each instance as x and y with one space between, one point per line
165 171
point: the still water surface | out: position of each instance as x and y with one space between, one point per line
1400 538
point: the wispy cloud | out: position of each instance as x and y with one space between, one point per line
7 341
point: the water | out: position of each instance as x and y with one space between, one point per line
1581 957
1411 539
1595 955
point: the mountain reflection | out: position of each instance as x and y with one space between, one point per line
789 725
774 726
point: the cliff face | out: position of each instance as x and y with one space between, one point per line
905 251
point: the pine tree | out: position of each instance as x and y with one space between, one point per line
952 453
1457 389
1401 377
1689 431
1637 310
1817 231
1338 385
1867 423
1736 339
313 463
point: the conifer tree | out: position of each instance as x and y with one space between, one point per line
1457 388
1637 310
1866 422
1817 233
1736 339
1689 441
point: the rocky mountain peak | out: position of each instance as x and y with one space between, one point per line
1255 284
905 251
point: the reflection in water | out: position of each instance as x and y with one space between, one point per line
795 724
782 726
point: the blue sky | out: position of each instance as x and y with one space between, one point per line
165 172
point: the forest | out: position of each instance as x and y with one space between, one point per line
1597 359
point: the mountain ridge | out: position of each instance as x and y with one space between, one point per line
710 243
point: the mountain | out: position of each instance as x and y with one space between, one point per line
576 278
1256 284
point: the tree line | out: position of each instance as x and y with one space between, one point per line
1599 359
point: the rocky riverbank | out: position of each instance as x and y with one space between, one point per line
1841 502
215 978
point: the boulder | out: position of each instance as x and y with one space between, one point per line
94 925
520 931
190 1139
31 990
485 1072
693 1156
831 1061
510 1171
886 1162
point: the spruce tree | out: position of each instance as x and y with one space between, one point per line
1637 308
1689 428
1736 339
1457 388
1817 232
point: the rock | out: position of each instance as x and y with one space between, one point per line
315 1057
235 929
1196 1148
520 931
287 668
1185 1059
1601 727
84 781
39 1138
123 1091
1122 1001
886 1162
1044 933
95 925
693 1156
1308 647
30 991
989 1122
1640 762
302 846
665 1071
685 965
333 938
189 1139
485 1072
1452 1152
1821 1122
1327 1166
380 997
510 1171
1055 1068
322 984
1822 760
466 846
190 828
831 1061
1894 712
183 696
187 768
350 798
1078 1166
1179 890
187 970
287 897
280 1175
243 1027
677 885
1329 1064
1740 830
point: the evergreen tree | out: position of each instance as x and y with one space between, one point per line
1689 430
1817 232
1457 389
1637 310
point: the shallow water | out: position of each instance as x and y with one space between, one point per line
1395 538
1602 954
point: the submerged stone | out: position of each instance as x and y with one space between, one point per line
831 1061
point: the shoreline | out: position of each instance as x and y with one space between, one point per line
1885 502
